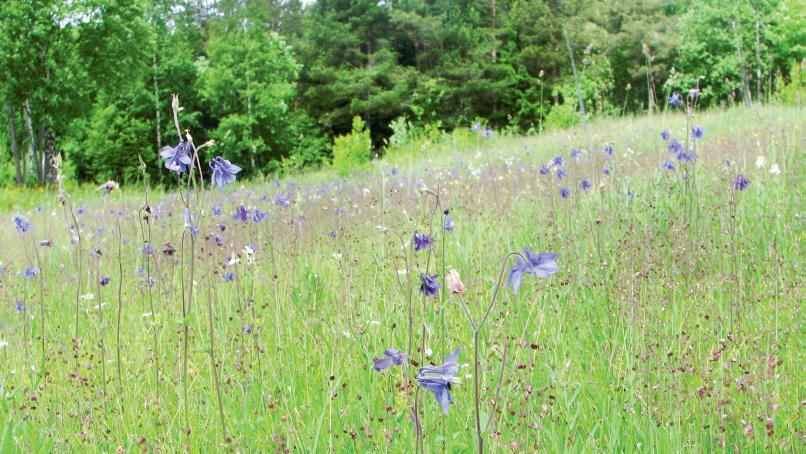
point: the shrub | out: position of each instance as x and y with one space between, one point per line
352 151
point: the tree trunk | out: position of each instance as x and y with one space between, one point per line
758 61
12 138
29 129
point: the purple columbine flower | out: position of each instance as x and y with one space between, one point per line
260 216
422 241
487 133
439 379
667 166
543 265
544 170
665 135
21 306
223 172
565 193
177 159
21 224
608 149
576 153
104 281
741 183
394 171
449 225
282 200
46 243
585 185
393 356
675 146
557 161
148 249
30 272
429 284
247 329
332 234
108 187
606 170
697 132
241 214
228 276
217 210
675 99
561 173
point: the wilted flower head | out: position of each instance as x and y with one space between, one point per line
697 132
21 224
108 187
177 159
392 357
454 282
439 379
223 172
429 284
422 241
741 183
541 265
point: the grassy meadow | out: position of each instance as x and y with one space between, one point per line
673 323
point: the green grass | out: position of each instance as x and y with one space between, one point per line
667 328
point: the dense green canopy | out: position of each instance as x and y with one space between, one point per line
273 81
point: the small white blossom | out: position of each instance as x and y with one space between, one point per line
761 161
775 170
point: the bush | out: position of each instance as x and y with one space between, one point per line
352 151
561 116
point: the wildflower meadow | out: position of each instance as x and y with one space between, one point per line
627 285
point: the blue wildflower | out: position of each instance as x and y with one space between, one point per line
260 216
697 132
665 135
544 170
561 173
667 166
223 172
177 159
557 161
565 193
21 224
675 99
429 284
422 241
449 225
21 306
247 329
392 357
332 234
228 276
741 183
675 146
30 272
585 185
543 265
104 281
241 214
576 153
608 149
439 379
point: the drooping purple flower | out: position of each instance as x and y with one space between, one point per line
665 135
177 159
429 284
148 249
542 264
104 281
260 216
576 153
697 132
108 187
675 99
449 225
565 193
422 241
675 146
561 173
585 185
394 171
608 149
21 224
247 329
667 166
392 356
21 306
282 200
223 172
228 276
544 170
241 214
741 183
439 379
557 161
217 210
30 272
606 170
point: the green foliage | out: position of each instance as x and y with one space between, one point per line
352 151
793 92
562 116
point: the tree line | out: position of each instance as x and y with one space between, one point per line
273 82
